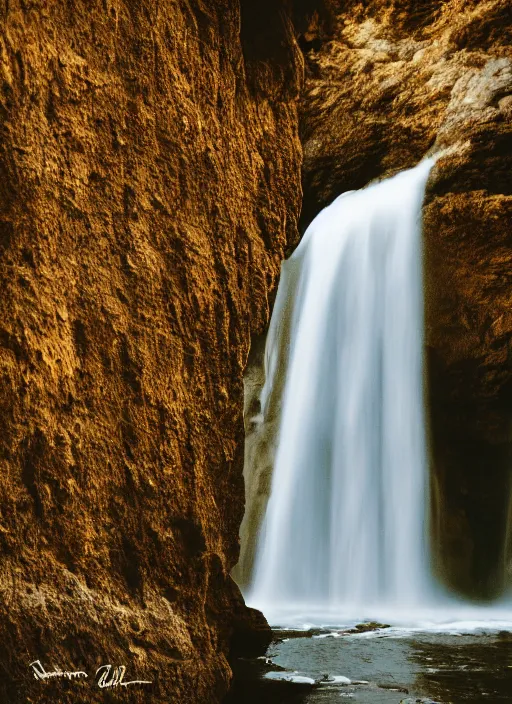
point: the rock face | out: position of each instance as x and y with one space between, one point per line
259 452
400 80
150 183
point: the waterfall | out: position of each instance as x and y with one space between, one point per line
346 523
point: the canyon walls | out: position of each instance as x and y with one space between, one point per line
149 186
399 80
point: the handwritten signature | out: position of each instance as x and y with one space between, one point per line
106 675
117 677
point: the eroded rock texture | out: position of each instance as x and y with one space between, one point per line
399 80
149 184
259 451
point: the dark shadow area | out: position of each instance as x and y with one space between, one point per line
250 687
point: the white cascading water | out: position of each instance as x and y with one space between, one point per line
346 522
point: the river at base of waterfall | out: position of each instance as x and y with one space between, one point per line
374 663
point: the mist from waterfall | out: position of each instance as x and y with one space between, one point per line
346 525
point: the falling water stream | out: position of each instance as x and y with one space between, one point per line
345 536
346 520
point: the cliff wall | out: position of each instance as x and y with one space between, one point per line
149 185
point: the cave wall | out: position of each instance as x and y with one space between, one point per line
399 80
149 185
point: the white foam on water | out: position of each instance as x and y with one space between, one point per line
289 677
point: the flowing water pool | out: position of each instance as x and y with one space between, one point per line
398 666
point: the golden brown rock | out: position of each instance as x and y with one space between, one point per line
149 184
400 80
